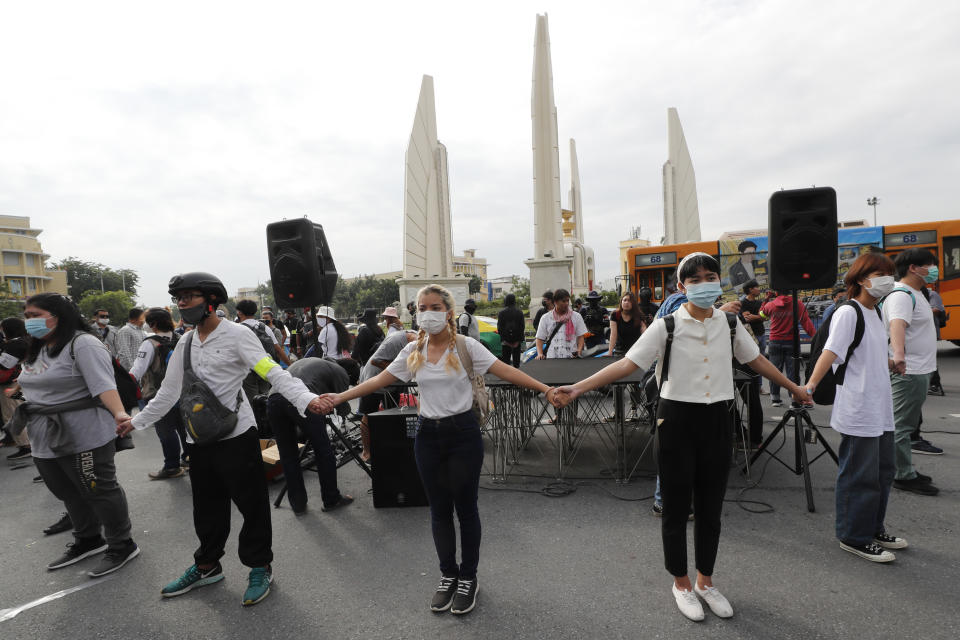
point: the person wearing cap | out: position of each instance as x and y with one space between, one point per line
392 318
596 318
334 339
466 323
369 336
229 469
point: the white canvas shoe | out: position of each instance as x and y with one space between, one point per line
688 604
715 600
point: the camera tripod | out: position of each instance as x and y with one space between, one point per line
804 430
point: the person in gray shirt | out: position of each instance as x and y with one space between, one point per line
74 450
321 375
388 350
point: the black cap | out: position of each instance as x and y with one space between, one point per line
593 295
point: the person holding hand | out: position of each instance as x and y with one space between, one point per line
694 421
67 365
448 445
862 410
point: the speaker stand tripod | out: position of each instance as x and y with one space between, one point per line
804 430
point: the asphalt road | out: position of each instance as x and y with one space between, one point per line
584 565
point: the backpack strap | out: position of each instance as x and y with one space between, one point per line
669 322
913 298
464 354
546 345
858 332
732 323
187 363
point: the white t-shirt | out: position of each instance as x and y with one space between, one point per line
443 393
701 368
920 338
466 320
864 403
328 340
560 347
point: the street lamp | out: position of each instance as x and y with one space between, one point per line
872 202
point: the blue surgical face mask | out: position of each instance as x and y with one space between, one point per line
933 274
37 327
704 294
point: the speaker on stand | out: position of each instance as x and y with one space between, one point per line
396 481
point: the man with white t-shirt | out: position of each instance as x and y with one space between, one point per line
913 358
560 333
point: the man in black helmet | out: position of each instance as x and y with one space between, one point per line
229 468
596 318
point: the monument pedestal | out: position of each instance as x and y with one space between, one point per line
547 273
458 286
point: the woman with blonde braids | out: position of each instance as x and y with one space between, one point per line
448 446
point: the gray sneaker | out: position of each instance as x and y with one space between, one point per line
78 550
166 474
115 558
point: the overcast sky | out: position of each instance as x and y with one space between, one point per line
164 137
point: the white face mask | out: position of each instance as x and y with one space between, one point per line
880 286
322 322
432 322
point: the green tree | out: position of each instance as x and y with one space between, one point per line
84 276
351 298
609 298
265 291
476 285
521 289
9 306
117 303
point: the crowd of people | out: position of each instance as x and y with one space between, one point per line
211 387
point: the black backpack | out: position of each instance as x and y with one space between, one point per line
826 391
260 330
652 388
163 349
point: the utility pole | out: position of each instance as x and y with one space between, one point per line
872 202
101 281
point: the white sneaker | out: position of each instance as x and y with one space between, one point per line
688 604
715 600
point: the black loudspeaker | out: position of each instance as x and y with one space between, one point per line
803 239
301 267
396 482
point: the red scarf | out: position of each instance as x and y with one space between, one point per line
567 318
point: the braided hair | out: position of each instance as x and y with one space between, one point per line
416 358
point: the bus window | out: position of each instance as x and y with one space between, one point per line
658 285
951 258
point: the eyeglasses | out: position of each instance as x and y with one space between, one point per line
185 297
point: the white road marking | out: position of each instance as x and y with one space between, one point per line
7 614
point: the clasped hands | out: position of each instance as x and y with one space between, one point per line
560 397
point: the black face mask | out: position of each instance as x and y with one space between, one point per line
194 315
470 309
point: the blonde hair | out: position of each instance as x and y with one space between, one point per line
416 359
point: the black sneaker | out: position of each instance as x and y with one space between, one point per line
924 447
443 597
776 404
890 542
78 550
61 525
924 478
872 552
24 452
917 485
166 474
466 597
114 558
935 390
342 502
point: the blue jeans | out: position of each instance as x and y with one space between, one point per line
284 421
449 454
863 487
781 355
172 436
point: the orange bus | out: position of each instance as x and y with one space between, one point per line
746 257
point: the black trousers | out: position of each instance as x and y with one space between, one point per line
693 458
225 471
511 355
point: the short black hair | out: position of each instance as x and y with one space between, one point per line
746 244
916 257
750 284
549 294
510 300
247 308
160 318
837 290
560 294
135 313
99 311
690 266
13 327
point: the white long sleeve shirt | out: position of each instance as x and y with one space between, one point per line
222 361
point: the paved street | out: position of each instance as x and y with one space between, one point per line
584 565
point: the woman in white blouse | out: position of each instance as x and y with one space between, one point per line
694 429
862 411
448 446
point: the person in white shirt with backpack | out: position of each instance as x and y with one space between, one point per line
856 352
448 445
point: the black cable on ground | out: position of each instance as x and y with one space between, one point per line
765 507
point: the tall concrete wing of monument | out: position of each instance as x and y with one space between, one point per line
681 216
549 267
427 243
582 273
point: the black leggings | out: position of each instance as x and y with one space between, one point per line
693 458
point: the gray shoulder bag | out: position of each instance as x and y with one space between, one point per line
204 416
